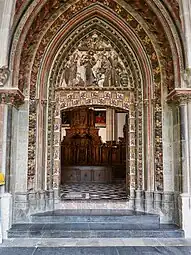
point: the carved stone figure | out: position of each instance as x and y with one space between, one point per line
4 75
187 77
70 73
95 63
112 75
88 61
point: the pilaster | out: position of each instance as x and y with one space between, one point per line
169 148
183 98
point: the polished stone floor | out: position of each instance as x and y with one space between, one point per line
102 246
93 191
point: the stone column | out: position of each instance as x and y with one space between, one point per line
50 157
39 145
185 127
167 135
6 14
45 145
20 160
185 140
41 149
149 174
3 127
21 164
8 147
185 113
176 148
185 14
149 146
5 159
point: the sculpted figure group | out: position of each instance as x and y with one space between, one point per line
91 66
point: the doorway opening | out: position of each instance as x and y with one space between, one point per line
94 153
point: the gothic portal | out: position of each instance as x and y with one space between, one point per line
96 92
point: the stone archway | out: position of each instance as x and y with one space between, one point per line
66 100
44 52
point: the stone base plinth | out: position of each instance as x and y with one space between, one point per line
160 203
6 214
185 212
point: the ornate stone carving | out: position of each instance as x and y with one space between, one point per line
117 99
179 95
95 63
186 75
11 96
4 75
97 98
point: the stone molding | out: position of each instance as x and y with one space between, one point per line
11 96
179 95
4 75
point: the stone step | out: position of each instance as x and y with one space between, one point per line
121 217
89 231
82 226
106 250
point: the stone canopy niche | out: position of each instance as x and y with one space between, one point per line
84 157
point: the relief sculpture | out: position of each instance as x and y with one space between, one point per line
95 63
4 75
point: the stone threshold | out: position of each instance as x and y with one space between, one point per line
95 242
92 204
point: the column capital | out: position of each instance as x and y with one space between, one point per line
179 96
11 96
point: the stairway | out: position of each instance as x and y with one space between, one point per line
94 223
